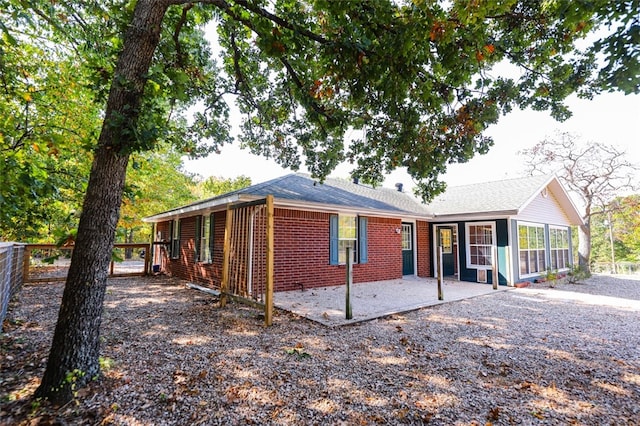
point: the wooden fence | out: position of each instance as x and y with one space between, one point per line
48 262
247 271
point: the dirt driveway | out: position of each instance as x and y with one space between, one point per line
173 357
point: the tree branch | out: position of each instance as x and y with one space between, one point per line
294 76
277 20
176 35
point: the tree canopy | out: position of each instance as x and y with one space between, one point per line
616 232
48 125
218 185
423 79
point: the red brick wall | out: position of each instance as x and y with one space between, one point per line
385 251
301 251
208 274
424 249
184 266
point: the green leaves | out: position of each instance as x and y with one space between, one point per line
299 352
417 82
46 123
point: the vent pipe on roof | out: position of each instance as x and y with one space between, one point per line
399 187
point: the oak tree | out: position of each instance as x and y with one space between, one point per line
594 172
421 77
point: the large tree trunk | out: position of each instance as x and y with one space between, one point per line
74 356
584 246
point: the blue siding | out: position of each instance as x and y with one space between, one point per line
333 239
502 241
362 239
502 237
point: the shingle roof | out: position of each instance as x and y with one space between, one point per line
501 196
506 197
298 187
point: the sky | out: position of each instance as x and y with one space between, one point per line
612 119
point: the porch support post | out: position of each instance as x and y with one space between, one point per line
440 274
224 285
268 299
509 273
349 314
494 267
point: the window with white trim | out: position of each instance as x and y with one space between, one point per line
204 254
175 239
531 249
480 241
559 248
406 236
347 231
347 237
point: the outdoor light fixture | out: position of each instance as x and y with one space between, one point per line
398 230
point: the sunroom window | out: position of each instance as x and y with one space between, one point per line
531 249
559 248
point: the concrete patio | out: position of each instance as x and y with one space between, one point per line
326 305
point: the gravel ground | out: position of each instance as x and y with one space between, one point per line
535 356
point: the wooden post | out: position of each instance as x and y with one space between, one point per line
508 272
147 259
26 261
440 274
494 267
268 298
349 314
224 285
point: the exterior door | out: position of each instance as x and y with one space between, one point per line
445 240
407 249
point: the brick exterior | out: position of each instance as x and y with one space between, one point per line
424 248
301 251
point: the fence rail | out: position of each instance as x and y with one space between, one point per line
628 268
48 262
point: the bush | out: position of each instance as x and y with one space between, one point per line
577 274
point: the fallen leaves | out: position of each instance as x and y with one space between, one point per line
483 362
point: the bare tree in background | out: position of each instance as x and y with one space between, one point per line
596 173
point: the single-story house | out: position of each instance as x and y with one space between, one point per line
525 223
314 224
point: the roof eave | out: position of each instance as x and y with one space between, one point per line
568 206
333 208
563 198
193 208
461 217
